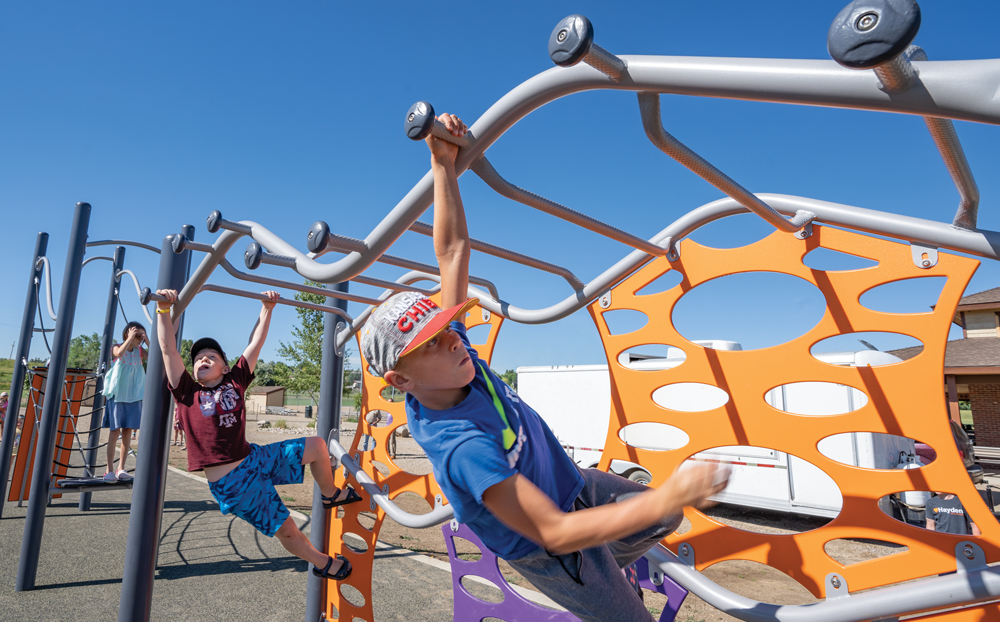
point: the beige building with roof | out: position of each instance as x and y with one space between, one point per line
972 364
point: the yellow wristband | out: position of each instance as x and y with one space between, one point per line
159 310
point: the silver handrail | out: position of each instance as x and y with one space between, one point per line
138 290
123 243
44 261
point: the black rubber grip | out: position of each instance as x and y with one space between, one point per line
419 121
213 221
252 255
318 236
868 33
144 296
178 242
570 41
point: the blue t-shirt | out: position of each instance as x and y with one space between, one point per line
472 447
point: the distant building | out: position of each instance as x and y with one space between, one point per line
260 398
972 364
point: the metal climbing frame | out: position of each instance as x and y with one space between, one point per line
874 69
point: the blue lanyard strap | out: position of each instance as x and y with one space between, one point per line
508 434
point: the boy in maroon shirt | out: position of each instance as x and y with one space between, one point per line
241 475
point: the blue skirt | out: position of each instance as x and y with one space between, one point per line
122 415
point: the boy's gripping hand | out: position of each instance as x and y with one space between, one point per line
272 299
170 295
442 150
693 486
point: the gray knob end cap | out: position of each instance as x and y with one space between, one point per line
419 121
252 255
178 242
868 33
213 221
318 236
144 296
571 40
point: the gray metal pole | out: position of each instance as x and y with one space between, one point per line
20 366
331 390
103 364
41 479
150 476
182 271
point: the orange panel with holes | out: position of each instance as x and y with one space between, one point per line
905 399
398 481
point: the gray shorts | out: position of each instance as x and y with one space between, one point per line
605 593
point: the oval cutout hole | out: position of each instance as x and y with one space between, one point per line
849 551
623 321
752 580
412 503
754 309
352 595
690 397
651 357
732 231
915 507
366 443
916 295
378 418
355 542
479 334
810 493
391 394
653 436
466 550
829 260
870 450
366 520
816 398
482 589
852 349
381 468
668 280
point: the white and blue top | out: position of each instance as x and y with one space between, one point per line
490 436
126 381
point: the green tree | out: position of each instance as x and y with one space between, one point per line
305 352
186 354
84 350
510 377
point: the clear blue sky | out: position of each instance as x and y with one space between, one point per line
287 113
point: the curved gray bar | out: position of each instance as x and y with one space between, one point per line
44 261
148 247
138 290
436 516
934 593
263 280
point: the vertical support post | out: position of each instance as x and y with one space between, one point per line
41 480
953 411
20 365
150 477
331 391
182 271
103 363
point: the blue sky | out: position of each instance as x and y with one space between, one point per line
288 113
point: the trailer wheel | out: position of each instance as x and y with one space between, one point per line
640 477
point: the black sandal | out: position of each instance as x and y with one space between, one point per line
352 497
340 575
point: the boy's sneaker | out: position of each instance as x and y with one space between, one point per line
110 477
123 476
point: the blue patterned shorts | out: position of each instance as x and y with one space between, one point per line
248 490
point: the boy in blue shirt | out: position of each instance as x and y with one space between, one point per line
568 531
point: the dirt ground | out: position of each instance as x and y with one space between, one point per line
749 579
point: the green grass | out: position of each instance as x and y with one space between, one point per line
966 416
281 424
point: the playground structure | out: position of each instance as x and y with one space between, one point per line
878 70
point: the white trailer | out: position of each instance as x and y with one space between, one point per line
575 401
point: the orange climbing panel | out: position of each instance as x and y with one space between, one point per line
383 469
69 411
905 399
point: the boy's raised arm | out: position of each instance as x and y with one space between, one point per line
259 334
167 337
451 235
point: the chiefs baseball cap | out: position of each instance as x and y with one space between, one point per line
401 324
207 343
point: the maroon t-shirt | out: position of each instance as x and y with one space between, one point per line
214 418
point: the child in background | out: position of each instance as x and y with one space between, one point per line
242 476
3 410
178 431
123 388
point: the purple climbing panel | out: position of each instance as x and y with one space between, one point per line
514 607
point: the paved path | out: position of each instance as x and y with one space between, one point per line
211 567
